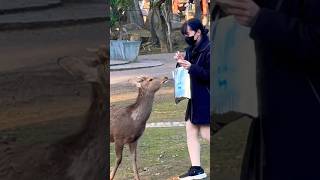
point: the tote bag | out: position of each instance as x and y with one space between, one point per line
181 84
234 69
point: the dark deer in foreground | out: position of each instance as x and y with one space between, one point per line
128 124
80 156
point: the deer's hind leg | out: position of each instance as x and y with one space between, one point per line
133 151
119 150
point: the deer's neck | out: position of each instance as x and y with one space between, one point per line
141 110
87 140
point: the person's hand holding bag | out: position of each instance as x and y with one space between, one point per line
185 64
244 11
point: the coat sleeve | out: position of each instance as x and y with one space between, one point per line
297 36
201 72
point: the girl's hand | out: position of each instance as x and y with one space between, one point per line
180 59
185 64
179 56
244 11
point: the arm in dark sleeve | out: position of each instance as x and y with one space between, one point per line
300 37
201 72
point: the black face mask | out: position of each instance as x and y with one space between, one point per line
190 40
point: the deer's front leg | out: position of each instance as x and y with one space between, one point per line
133 151
119 149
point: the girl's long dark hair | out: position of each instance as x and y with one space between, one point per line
195 25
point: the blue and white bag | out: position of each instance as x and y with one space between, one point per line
181 84
234 69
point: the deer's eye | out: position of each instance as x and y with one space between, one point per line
150 79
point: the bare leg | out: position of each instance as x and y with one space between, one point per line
193 143
119 149
133 151
205 132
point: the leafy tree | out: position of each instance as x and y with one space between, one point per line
118 10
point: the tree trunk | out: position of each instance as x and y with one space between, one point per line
160 25
134 14
197 13
160 29
167 17
169 9
149 25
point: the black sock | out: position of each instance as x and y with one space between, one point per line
196 167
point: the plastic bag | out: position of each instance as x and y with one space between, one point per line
181 84
234 69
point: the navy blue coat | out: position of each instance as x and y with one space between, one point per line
198 109
288 54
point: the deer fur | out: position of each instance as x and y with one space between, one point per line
127 124
80 156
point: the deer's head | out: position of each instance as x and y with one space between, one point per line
92 70
88 69
150 84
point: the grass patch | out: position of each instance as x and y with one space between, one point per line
162 154
228 147
43 132
165 109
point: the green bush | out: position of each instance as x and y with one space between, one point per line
118 10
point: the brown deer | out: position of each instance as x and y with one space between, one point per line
127 124
80 156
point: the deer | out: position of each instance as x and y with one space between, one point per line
79 156
127 124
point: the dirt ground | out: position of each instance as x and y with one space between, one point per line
40 95
35 92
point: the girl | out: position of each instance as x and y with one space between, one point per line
197 62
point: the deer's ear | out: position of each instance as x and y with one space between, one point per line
138 84
141 78
137 81
79 69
